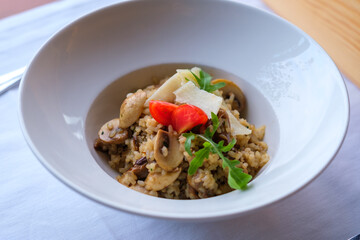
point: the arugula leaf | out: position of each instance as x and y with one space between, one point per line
209 134
228 147
237 179
189 137
215 122
199 158
204 81
216 86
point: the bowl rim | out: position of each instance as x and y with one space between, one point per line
158 214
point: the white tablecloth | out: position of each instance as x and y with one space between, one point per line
35 205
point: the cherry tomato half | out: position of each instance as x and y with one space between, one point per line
162 111
186 117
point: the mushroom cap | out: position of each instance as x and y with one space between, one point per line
139 169
174 156
131 108
158 181
111 133
231 87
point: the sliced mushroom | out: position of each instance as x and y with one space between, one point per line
99 145
167 150
110 132
139 169
132 108
158 181
141 161
231 87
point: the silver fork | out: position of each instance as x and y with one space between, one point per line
11 79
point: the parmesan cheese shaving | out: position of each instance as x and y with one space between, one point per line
186 74
236 127
191 94
166 91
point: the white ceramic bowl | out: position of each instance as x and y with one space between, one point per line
292 86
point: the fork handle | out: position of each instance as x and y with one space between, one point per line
11 79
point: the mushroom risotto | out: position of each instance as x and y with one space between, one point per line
184 138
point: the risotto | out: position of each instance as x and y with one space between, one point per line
184 138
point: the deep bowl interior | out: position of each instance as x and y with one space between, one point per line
291 84
107 104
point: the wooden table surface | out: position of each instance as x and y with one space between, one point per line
334 24
10 7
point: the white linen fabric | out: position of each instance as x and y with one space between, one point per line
35 205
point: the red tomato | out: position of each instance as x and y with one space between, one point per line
186 117
161 111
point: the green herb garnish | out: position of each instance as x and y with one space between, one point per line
204 81
237 179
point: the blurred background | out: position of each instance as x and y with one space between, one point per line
335 24
10 7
